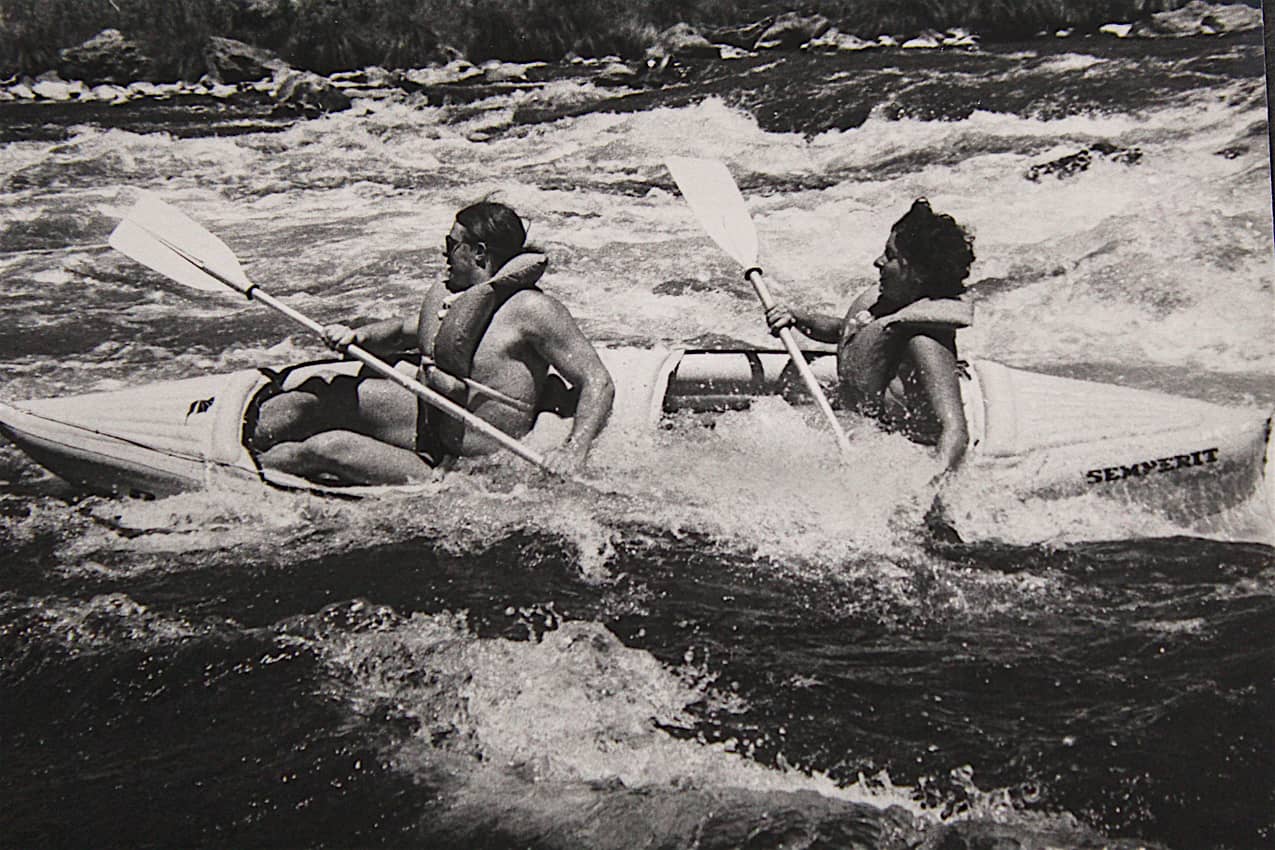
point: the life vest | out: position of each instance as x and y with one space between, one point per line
869 359
467 318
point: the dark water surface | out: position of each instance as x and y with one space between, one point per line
332 701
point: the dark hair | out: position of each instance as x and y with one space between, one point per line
937 247
497 226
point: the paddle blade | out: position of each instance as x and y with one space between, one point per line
715 199
163 238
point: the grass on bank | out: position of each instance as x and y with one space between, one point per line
328 35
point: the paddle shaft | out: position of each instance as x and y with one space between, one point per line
371 361
385 370
754 277
715 199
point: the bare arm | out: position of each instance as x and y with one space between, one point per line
558 339
818 326
936 367
821 327
388 335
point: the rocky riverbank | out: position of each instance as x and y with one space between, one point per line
251 88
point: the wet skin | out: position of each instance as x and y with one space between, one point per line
372 439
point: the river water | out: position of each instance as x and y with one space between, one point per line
741 644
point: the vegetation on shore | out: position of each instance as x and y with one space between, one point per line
328 35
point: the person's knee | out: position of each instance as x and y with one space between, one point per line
285 418
332 445
288 457
357 459
322 452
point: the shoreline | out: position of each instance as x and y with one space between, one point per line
94 71
263 105
49 108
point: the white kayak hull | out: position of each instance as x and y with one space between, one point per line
1035 435
153 440
1031 435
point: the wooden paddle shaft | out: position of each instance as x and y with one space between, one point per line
754 277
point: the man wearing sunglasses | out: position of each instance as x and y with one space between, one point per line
488 339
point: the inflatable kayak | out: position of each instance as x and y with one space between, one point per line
1037 435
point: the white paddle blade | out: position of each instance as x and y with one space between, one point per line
139 244
161 237
715 199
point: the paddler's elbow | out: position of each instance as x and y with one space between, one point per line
594 391
605 390
953 443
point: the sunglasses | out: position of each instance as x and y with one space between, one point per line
453 244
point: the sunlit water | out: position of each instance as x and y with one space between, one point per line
738 639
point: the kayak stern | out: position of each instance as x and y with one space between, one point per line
147 441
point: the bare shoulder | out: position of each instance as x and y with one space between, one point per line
538 311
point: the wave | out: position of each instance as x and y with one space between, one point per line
475 703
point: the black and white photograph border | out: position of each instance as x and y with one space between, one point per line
636 424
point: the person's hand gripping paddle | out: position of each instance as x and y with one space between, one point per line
163 238
715 199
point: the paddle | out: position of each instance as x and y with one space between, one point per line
163 238
715 199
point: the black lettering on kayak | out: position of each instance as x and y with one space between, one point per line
201 405
1137 469
1141 469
